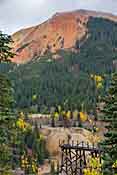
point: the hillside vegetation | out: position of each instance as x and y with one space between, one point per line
76 80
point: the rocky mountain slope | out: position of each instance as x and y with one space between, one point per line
59 32
69 81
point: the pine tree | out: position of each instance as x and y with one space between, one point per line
5 49
7 124
6 98
109 145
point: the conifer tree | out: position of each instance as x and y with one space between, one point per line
109 145
6 110
5 49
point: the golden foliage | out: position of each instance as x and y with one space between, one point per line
22 124
83 116
68 114
75 114
24 162
56 115
59 108
94 167
27 163
63 112
114 164
99 85
98 80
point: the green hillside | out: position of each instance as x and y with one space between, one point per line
68 82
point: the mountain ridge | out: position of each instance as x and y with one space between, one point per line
61 31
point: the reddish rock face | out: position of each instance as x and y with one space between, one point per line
59 32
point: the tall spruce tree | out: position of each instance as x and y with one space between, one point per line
109 145
6 109
5 49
